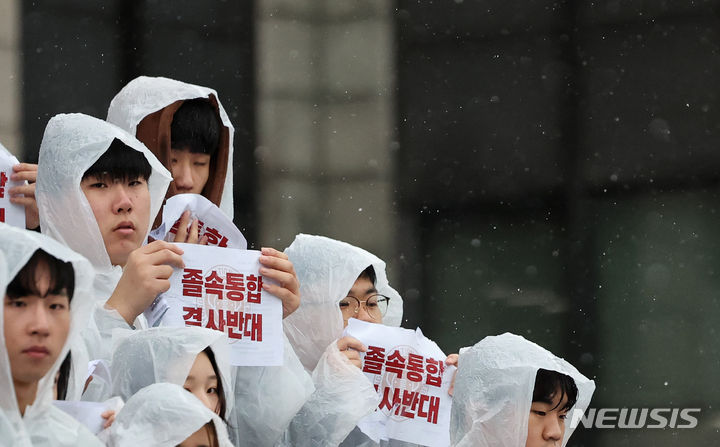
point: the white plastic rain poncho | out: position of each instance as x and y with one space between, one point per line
327 270
163 415
164 354
42 424
494 388
71 144
145 108
268 397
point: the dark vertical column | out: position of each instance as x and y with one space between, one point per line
578 220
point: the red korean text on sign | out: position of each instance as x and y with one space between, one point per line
254 287
435 369
237 325
245 325
235 286
215 238
395 363
3 182
192 281
214 285
415 365
192 316
374 360
410 404
176 226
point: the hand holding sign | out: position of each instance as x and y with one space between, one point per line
145 275
11 211
24 194
191 218
278 267
351 348
187 231
223 289
412 380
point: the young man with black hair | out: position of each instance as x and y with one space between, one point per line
97 191
554 395
511 392
194 141
116 188
187 129
46 290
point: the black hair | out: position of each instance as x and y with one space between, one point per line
547 385
62 277
120 162
63 377
196 126
222 404
369 273
211 431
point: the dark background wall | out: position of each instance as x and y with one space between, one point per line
78 54
558 178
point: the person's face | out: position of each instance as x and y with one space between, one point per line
190 171
200 438
203 383
35 328
546 425
122 212
362 290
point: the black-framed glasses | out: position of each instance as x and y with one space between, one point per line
376 306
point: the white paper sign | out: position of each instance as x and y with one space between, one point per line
99 369
10 213
89 413
412 380
221 289
213 223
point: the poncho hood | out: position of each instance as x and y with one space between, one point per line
163 415
165 354
494 388
327 270
145 108
41 422
71 144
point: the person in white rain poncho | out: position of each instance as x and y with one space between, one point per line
510 392
330 271
166 415
47 295
196 145
192 357
97 191
187 128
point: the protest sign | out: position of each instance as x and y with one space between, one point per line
221 289
10 213
411 378
212 222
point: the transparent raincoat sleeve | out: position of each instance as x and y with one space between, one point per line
343 396
269 397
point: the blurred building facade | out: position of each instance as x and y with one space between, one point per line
541 167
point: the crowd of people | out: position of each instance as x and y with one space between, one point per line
77 280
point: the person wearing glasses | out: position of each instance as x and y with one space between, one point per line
363 300
338 281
